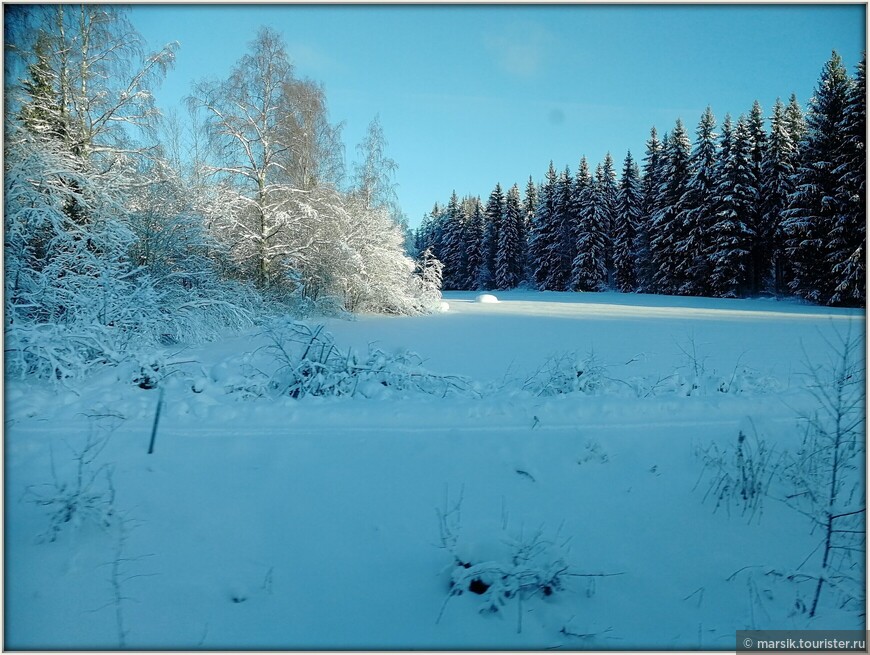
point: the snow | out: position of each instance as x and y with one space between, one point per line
486 298
269 522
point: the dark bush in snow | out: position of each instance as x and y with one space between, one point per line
740 474
84 494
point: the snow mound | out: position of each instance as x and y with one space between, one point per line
486 297
444 306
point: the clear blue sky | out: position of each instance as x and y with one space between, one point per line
473 95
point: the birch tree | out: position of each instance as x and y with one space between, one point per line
245 121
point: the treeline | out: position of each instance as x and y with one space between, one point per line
744 212
124 227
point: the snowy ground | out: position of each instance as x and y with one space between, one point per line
281 523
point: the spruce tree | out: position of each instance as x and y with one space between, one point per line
698 210
494 219
761 247
848 237
474 245
563 250
589 268
757 135
813 212
670 269
627 218
609 192
796 126
422 235
40 112
795 120
650 183
429 235
778 169
453 251
545 231
530 202
581 202
508 270
731 233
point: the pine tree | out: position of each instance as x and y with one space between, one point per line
545 231
848 237
778 169
508 272
670 269
650 183
813 211
474 251
698 203
731 233
494 220
627 218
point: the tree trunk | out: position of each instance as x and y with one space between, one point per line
262 268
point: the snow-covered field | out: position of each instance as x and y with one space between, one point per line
587 519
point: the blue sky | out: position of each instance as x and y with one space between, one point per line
473 95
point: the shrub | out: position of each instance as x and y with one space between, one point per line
567 373
521 566
87 495
739 475
304 361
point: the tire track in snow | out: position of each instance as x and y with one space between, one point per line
228 429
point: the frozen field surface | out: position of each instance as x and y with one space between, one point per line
565 466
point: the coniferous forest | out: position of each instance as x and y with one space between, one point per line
753 206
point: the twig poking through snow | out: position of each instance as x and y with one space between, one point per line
156 421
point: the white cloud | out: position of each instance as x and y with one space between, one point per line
309 59
520 48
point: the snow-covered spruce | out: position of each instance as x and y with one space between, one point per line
752 213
